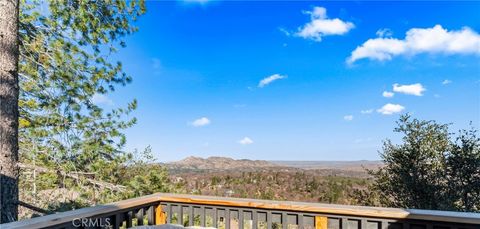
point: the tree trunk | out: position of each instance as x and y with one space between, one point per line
9 91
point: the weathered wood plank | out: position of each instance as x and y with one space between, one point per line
151 215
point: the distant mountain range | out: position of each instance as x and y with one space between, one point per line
215 164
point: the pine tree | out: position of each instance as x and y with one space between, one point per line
9 110
67 48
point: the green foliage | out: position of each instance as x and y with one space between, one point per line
67 48
64 63
143 177
463 171
428 170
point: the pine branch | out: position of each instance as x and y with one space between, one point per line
101 184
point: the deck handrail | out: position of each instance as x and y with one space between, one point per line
318 208
336 209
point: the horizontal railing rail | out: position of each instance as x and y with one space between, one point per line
232 213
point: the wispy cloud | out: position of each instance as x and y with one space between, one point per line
245 141
412 89
320 25
389 109
388 94
385 32
285 31
101 99
445 82
369 111
419 40
268 80
203 121
348 117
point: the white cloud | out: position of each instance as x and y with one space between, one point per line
268 80
389 109
419 40
369 111
388 94
445 82
320 25
101 99
246 141
203 121
385 32
412 89
348 117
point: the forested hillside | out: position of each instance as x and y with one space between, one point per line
274 185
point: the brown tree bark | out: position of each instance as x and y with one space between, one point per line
9 91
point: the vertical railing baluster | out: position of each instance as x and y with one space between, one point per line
300 221
344 223
116 220
180 215
405 225
191 215
215 217
129 218
139 217
385 224
254 219
240 219
169 213
227 218
284 220
269 220
202 216
151 215
363 223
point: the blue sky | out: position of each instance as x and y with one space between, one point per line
296 80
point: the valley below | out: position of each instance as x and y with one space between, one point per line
310 181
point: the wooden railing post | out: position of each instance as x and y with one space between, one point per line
321 222
160 216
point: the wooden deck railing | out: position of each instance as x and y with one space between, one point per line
232 213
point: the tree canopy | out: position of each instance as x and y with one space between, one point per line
429 170
66 139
